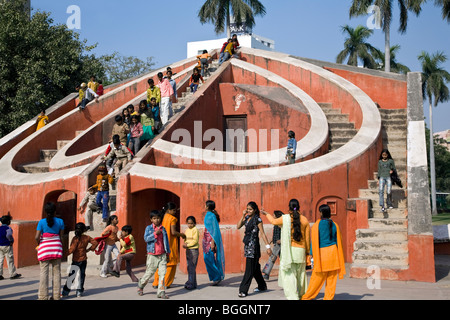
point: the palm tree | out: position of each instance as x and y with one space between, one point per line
218 12
445 8
395 66
433 86
356 47
360 7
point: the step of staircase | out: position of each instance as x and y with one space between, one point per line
344 133
340 125
47 154
337 117
375 223
36 167
385 234
381 246
390 112
380 258
61 143
395 213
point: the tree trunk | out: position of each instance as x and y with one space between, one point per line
387 49
228 24
432 164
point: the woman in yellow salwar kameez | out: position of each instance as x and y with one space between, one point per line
295 245
328 255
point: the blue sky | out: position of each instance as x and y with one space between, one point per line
306 28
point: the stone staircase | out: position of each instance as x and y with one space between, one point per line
187 95
45 157
341 129
385 243
95 261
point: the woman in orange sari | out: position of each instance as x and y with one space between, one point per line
328 255
170 224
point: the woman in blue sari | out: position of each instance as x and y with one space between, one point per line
213 253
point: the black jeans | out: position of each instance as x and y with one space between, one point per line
76 267
252 270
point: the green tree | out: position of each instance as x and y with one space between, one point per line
395 66
40 63
445 4
119 67
434 79
361 7
356 48
442 162
218 12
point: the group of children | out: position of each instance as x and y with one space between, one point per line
158 251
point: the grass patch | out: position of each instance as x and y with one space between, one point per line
440 218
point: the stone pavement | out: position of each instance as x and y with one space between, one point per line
112 288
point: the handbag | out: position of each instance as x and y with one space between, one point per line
396 179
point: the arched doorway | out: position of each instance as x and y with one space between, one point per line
66 209
142 203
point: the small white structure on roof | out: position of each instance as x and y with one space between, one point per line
252 41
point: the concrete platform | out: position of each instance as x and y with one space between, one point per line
112 288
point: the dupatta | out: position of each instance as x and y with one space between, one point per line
213 228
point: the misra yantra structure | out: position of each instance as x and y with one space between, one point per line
342 116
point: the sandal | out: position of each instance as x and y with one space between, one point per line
140 291
163 295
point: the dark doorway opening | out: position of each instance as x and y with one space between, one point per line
142 203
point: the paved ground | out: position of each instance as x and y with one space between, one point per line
122 288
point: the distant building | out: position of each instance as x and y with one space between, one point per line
252 41
246 38
444 135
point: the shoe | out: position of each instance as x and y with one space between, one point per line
16 276
115 274
215 283
140 291
64 294
79 294
189 287
256 290
242 295
391 207
1 278
383 209
103 275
